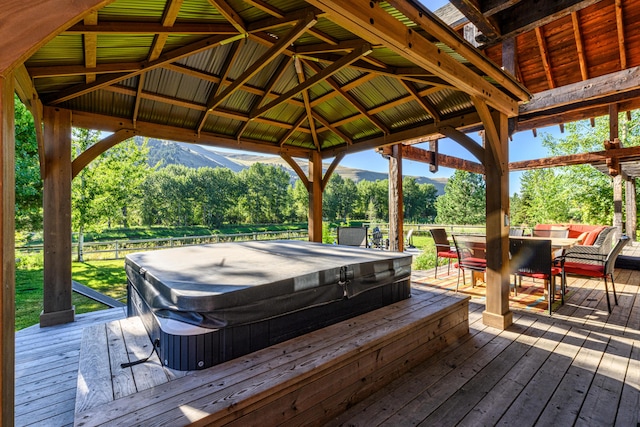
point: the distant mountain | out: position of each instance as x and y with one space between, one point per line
197 156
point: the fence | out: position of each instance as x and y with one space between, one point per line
117 249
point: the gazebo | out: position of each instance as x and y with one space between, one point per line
308 81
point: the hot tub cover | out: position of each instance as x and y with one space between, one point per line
227 284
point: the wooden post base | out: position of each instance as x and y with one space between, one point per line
500 321
57 317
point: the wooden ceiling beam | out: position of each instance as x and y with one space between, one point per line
144 28
98 148
485 24
525 15
29 96
288 19
174 55
332 128
90 42
264 60
307 107
411 152
372 23
352 100
620 29
598 157
323 75
169 16
81 70
464 140
229 14
577 34
297 169
544 54
154 130
428 22
332 167
425 103
231 57
460 123
138 98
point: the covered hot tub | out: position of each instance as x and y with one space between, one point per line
203 305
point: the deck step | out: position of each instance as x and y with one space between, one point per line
312 377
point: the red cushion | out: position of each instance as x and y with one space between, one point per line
593 235
448 254
555 271
471 262
591 270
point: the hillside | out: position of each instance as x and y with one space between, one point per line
196 156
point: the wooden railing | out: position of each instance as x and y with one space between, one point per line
116 249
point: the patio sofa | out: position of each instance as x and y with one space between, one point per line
588 233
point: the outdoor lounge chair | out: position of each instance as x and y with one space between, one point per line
595 265
443 247
353 236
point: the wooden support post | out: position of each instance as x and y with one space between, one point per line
57 218
632 214
396 242
7 251
315 197
617 176
617 202
497 313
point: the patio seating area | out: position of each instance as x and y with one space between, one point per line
581 365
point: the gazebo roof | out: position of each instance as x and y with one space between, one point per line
279 77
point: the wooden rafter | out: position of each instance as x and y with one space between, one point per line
374 24
426 20
229 14
307 107
544 53
425 103
577 33
134 27
327 72
621 39
265 7
29 97
171 10
352 100
90 42
138 99
486 24
264 60
174 55
294 128
234 51
332 128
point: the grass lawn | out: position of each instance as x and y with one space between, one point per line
107 277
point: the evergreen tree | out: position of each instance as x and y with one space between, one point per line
463 201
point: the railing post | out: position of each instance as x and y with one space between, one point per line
116 249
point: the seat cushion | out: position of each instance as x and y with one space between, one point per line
447 254
591 270
555 271
592 236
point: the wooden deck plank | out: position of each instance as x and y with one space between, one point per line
122 383
139 345
168 403
602 401
94 376
499 399
454 409
628 413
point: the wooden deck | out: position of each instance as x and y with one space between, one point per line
579 367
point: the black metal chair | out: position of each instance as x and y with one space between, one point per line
443 247
471 255
532 258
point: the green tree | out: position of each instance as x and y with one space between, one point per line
339 199
300 201
373 199
216 191
463 201
418 200
28 184
265 194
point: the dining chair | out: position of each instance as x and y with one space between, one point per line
533 258
595 265
471 256
443 247
516 232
